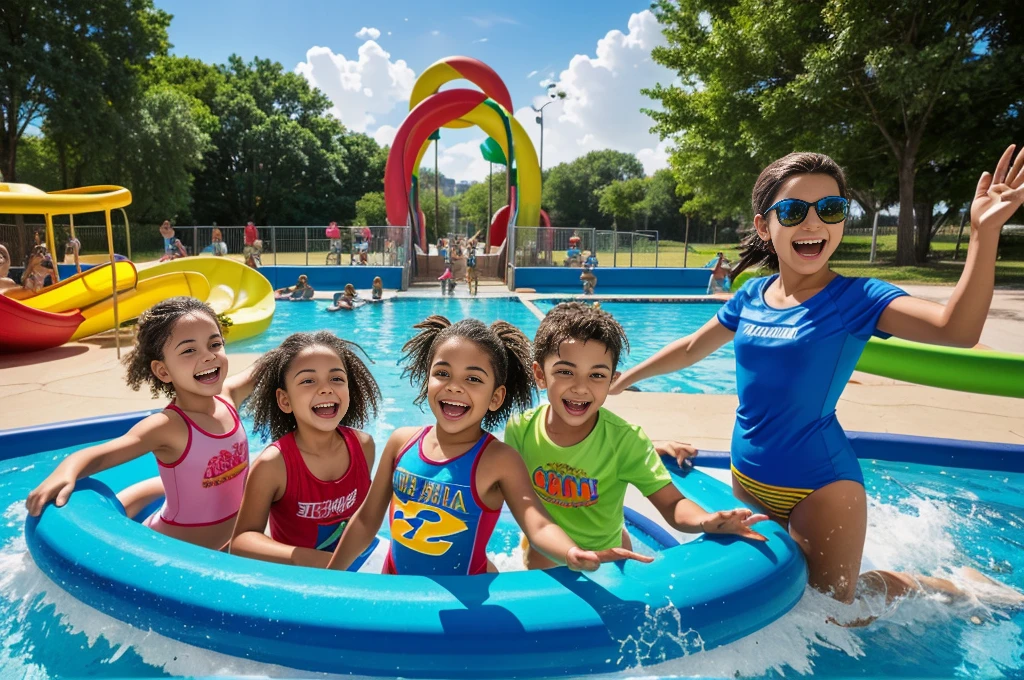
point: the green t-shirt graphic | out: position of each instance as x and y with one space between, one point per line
584 486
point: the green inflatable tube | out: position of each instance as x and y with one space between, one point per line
967 370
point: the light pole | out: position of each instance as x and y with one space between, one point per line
554 96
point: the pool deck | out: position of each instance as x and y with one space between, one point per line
84 379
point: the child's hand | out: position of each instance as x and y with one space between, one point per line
579 559
734 522
58 485
999 195
678 450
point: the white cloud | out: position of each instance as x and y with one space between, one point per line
362 88
371 33
603 99
462 161
389 32
435 32
481 40
385 134
531 74
546 82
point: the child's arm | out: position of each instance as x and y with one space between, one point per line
542 531
684 515
677 355
960 321
237 388
265 486
157 433
368 519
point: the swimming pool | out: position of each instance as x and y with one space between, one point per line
652 325
921 518
382 329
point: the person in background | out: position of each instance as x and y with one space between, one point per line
167 232
719 275
5 269
218 246
36 269
252 259
377 292
252 235
334 234
71 252
589 280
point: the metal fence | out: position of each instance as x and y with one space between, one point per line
550 247
307 246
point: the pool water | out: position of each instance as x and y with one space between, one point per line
650 291
650 326
921 519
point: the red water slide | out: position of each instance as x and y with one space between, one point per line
23 329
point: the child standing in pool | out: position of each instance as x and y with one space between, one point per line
798 335
445 484
311 392
198 440
581 456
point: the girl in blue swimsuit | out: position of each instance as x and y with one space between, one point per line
798 335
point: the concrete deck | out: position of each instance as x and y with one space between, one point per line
84 379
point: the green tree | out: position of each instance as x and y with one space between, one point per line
662 207
371 209
70 66
929 83
364 172
570 189
623 200
473 204
441 227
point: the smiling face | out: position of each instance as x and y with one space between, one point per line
193 357
577 380
806 248
461 388
316 389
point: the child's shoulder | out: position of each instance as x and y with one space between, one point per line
525 418
619 429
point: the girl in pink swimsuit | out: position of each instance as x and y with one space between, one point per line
199 443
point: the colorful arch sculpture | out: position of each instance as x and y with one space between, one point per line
488 108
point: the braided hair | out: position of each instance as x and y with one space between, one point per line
272 368
581 322
506 346
153 330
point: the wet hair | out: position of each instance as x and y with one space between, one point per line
507 347
754 252
376 280
271 371
153 330
580 322
350 289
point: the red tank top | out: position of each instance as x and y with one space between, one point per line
312 513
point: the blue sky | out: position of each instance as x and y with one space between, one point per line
516 39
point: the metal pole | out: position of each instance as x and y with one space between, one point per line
437 200
541 141
874 238
632 245
195 240
113 280
686 241
52 245
78 264
656 248
960 234
127 232
714 238
305 241
490 207
273 243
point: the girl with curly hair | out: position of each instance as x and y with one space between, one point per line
200 445
311 392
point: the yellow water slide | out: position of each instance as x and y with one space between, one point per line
239 292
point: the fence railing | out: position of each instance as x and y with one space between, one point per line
550 247
307 246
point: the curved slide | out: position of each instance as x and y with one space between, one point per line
241 293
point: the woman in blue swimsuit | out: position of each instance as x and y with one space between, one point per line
798 335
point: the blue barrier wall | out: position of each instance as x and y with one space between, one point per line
333 278
550 279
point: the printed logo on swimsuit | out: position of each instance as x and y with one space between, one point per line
226 465
423 524
327 509
568 487
780 332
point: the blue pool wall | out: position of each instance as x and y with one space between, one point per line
897 448
551 279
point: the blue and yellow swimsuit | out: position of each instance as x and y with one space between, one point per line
791 366
439 525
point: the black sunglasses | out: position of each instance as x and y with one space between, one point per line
793 211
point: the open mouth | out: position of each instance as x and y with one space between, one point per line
326 410
453 410
209 376
809 248
575 408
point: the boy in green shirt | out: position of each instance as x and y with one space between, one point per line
581 456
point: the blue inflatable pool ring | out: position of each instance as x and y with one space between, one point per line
520 624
